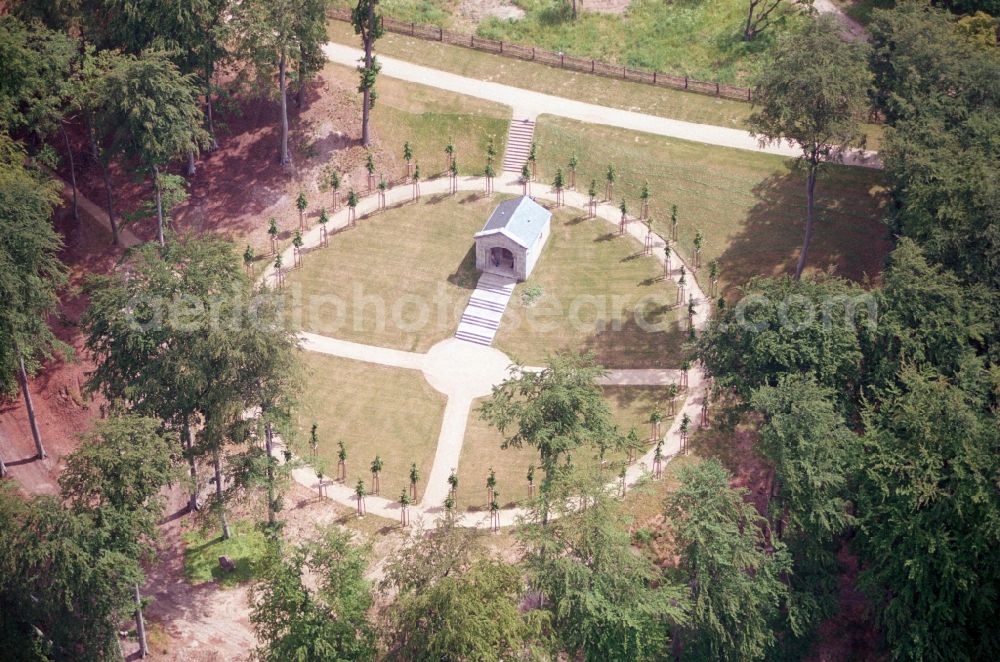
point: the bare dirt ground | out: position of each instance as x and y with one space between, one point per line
604 6
198 622
207 623
472 12
236 188
62 407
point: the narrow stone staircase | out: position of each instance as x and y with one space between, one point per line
482 316
519 137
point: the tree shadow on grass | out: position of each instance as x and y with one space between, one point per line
849 238
465 275
632 346
646 397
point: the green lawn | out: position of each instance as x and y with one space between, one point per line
202 549
861 10
374 410
630 405
660 101
429 119
749 206
598 293
703 40
400 279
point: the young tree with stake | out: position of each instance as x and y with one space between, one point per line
352 204
248 258
333 181
407 156
272 232
558 183
359 494
301 203
376 468
323 220
414 479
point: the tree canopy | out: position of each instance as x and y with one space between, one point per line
734 580
321 620
31 273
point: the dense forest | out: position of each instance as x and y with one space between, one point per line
875 407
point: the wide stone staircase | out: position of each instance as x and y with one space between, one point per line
482 316
519 138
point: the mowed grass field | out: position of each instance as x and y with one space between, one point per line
630 406
429 119
400 279
622 94
749 206
701 39
598 294
374 410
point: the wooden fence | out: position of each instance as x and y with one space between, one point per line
560 60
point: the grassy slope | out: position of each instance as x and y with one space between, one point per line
630 405
663 102
375 410
700 39
429 119
750 207
593 283
416 257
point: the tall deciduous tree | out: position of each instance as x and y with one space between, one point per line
36 75
555 410
368 24
471 615
65 587
276 36
30 275
324 618
116 475
451 602
813 95
787 326
144 326
929 519
606 602
937 89
811 454
734 582
154 117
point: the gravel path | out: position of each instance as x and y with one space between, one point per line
464 371
529 104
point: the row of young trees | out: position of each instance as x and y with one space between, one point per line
580 589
